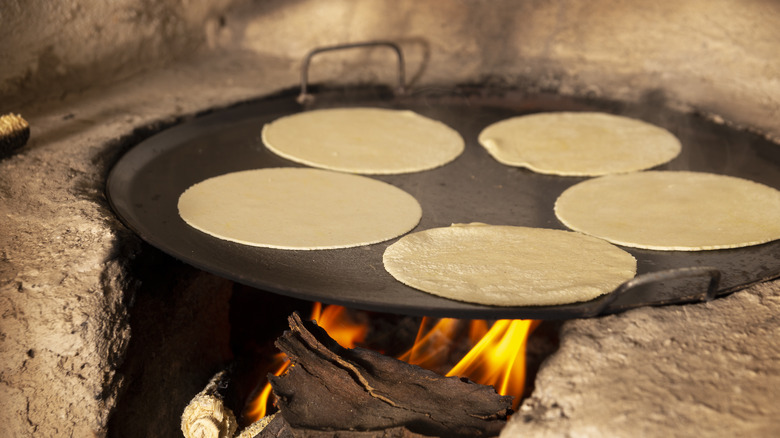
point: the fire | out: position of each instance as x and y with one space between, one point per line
497 357
340 327
258 407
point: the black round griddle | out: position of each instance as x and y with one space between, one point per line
145 184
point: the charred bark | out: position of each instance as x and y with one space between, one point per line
333 391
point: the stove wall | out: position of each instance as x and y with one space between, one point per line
54 48
718 55
90 75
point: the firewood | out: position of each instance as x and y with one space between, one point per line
279 428
14 133
214 412
258 428
206 416
331 390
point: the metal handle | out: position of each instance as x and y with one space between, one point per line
305 97
670 274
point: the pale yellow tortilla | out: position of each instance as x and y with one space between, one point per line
579 143
298 208
508 265
364 140
666 210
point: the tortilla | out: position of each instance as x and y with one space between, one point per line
363 140
673 210
579 143
298 208
508 265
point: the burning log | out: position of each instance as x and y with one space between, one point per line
331 390
278 427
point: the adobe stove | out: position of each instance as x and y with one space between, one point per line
105 334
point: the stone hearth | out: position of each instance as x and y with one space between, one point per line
71 275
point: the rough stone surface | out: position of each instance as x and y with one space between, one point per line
91 77
179 340
717 56
72 45
700 370
66 260
66 263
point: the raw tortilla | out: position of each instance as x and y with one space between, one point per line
670 210
579 143
508 265
364 140
297 208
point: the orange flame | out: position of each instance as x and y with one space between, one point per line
497 357
258 407
431 346
335 320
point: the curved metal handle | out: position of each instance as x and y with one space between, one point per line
305 97
670 274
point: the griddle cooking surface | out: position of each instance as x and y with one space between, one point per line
145 184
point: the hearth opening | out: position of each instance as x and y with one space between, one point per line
505 354
189 325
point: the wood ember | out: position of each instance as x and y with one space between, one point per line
331 389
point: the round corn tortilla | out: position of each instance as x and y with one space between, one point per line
299 208
673 210
364 140
508 265
579 143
